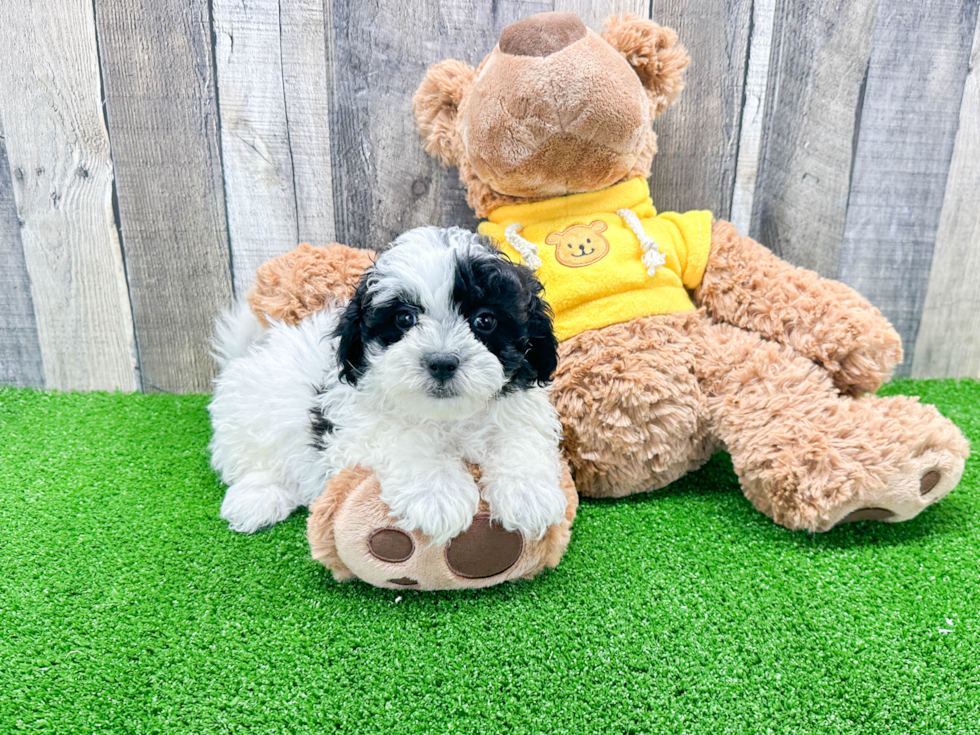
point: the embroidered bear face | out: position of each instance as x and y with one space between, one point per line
579 245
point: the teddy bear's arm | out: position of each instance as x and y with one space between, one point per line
304 280
747 286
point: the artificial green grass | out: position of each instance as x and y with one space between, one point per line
127 606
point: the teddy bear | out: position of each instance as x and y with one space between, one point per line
679 337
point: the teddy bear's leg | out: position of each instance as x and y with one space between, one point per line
747 286
351 532
304 280
631 406
810 458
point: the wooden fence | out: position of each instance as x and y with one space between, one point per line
153 152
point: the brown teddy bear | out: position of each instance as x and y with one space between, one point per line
679 337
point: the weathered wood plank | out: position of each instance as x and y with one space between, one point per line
695 168
750 133
948 343
58 151
159 84
907 130
258 165
593 14
305 74
820 54
20 351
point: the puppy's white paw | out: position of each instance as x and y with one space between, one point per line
525 504
441 507
250 505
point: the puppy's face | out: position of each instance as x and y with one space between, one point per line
442 325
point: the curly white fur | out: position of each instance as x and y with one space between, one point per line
418 445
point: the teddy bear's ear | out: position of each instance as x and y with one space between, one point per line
654 54
436 104
597 226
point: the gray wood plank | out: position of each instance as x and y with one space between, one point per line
820 52
948 340
159 86
698 136
306 68
58 151
594 13
384 183
20 350
753 109
256 158
907 131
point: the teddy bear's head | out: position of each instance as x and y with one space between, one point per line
554 109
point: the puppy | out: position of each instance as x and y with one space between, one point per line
440 359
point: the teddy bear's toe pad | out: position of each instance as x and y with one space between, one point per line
390 544
484 550
404 581
866 514
929 481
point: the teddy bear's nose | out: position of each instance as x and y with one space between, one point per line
541 34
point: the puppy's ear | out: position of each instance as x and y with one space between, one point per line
654 54
350 329
436 104
542 345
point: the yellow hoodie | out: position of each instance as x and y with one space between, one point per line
591 260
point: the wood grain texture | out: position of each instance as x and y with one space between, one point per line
58 151
20 351
159 86
907 129
698 137
306 68
948 343
820 53
258 165
753 108
594 13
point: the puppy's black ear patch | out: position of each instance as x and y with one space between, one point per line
350 329
542 351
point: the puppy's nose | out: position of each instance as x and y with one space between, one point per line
542 34
442 366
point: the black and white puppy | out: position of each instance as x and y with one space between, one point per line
439 360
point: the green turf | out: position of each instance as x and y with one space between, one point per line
126 606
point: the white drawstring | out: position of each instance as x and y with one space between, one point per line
652 257
527 249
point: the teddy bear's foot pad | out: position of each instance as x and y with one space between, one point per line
922 482
484 550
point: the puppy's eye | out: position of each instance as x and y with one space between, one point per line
405 319
484 323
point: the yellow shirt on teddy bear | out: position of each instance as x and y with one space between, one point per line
591 263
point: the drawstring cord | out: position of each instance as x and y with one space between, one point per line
652 257
527 249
